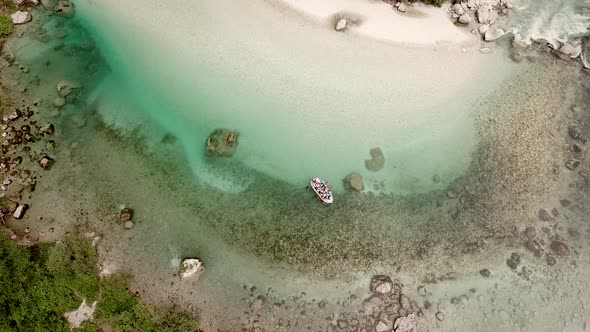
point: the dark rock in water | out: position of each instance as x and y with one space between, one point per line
222 142
126 215
530 232
572 164
535 247
436 178
554 212
545 215
565 202
354 181
169 139
559 248
381 284
485 273
577 148
46 162
513 261
64 8
47 129
377 160
574 132
550 260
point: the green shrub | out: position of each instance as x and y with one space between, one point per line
5 25
39 284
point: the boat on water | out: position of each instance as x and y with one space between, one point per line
322 191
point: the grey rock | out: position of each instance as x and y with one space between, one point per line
464 19
128 224
565 202
440 316
485 273
381 284
355 181
381 327
486 14
559 248
493 34
377 160
574 132
545 215
530 232
340 25
19 212
21 17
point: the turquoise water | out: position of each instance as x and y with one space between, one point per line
302 109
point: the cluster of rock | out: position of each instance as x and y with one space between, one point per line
22 16
354 181
482 16
222 142
483 12
387 310
19 131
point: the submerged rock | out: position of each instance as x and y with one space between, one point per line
189 267
65 87
222 142
47 129
64 8
545 215
21 17
59 102
355 181
405 324
377 160
572 164
559 248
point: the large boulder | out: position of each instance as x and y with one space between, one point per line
377 160
486 14
21 17
189 267
355 181
493 34
222 142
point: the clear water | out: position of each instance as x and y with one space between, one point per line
492 130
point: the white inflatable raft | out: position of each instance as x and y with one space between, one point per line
322 191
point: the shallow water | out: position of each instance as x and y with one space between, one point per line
494 131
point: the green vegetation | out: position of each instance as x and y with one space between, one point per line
40 283
6 7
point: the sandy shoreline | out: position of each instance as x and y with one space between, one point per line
419 25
